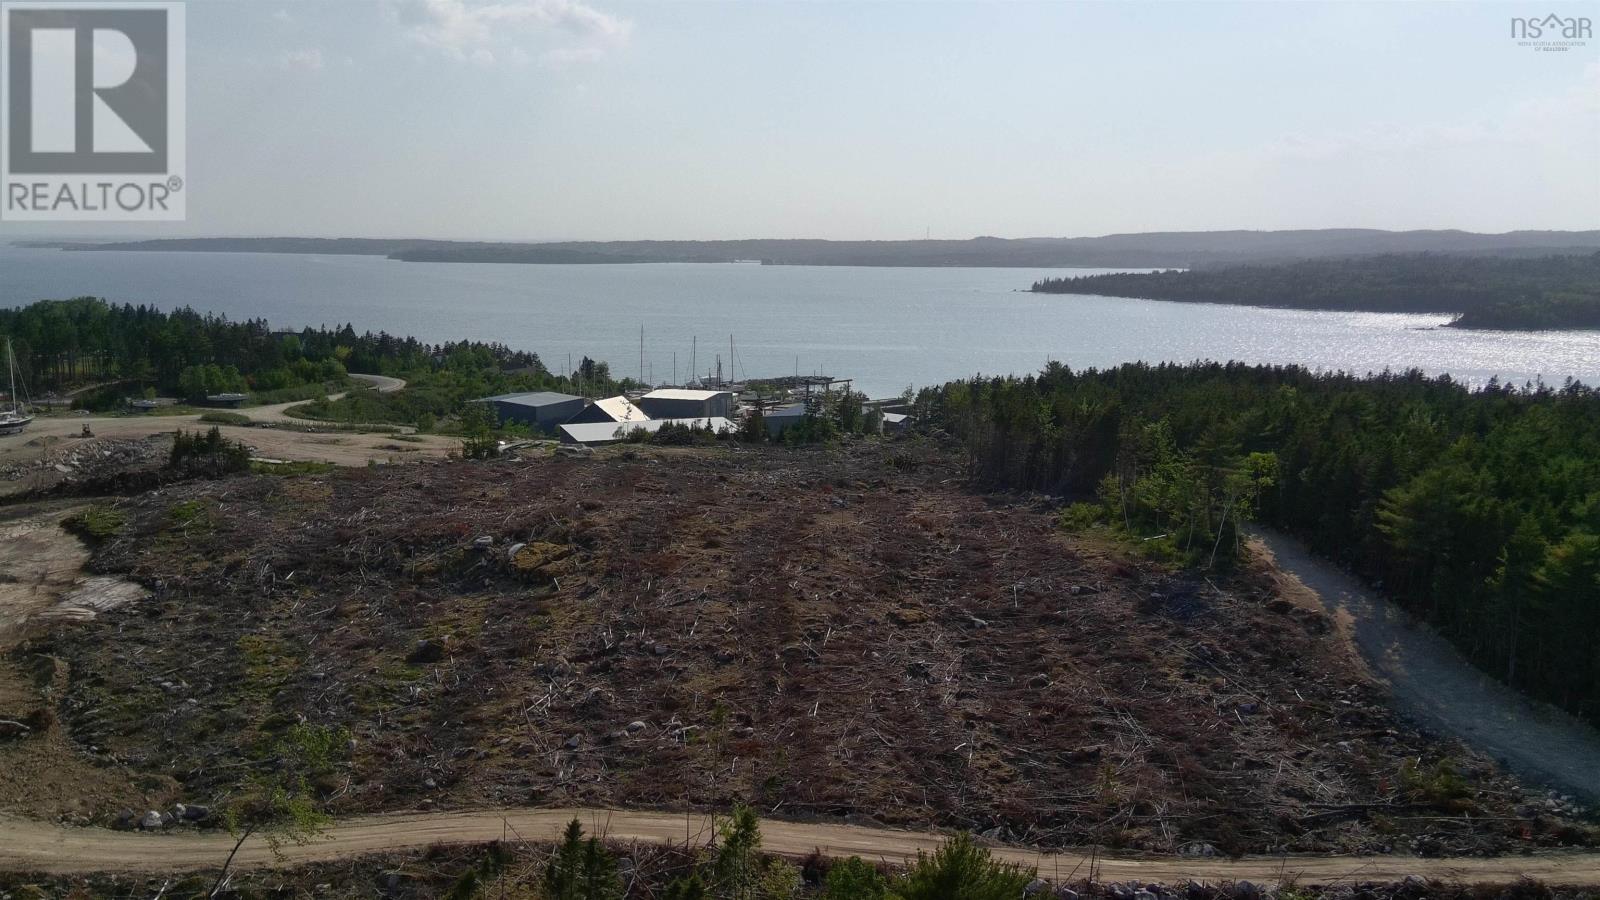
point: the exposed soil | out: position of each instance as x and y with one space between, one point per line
832 635
53 450
43 773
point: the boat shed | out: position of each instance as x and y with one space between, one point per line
895 423
677 403
783 417
594 433
611 409
539 409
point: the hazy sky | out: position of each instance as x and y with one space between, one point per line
595 119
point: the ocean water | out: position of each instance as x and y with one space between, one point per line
887 328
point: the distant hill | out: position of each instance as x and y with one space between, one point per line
1179 249
1518 292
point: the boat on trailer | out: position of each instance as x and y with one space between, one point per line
14 419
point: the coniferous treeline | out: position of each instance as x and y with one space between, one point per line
1477 510
63 343
1484 292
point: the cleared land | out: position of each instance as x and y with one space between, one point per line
53 447
840 636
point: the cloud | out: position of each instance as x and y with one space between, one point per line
570 31
307 60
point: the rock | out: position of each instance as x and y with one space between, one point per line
429 783
1035 887
635 727
1040 680
196 813
514 549
574 450
150 821
168 820
427 651
1143 894
1198 848
126 820
659 649
1065 893
1246 890
574 742
483 542
179 811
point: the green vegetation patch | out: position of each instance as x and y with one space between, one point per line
98 522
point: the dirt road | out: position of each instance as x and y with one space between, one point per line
1433 684
49 434
37 847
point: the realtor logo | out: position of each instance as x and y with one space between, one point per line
93 101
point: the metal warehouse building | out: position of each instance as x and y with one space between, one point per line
674 403
610 432
611 409
539 409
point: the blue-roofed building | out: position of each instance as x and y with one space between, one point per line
543 410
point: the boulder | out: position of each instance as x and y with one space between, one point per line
150 821
635 727
426 651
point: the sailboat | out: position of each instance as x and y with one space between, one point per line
13 420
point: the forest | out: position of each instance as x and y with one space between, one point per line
1546 292
62 344
1478 510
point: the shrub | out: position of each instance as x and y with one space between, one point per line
581 869
225 418
961 870
854 879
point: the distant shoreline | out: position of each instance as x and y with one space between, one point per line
1181 250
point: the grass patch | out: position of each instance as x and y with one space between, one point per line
268 665
226 418
98 522
191 514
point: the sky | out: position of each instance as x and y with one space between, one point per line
606 119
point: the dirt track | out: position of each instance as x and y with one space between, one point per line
28 846
49 434
1437 687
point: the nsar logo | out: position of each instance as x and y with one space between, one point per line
1552 32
